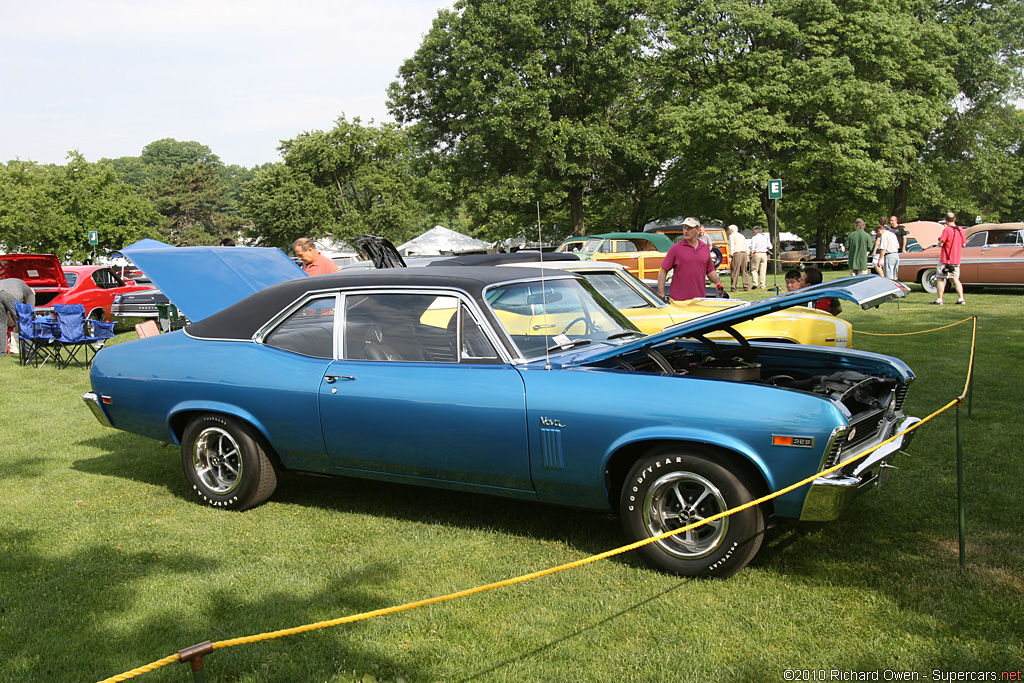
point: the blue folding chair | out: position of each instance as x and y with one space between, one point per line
71 345
36 340
96 337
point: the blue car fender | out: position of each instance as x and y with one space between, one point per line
177 426
687 434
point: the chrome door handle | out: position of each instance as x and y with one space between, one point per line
331 379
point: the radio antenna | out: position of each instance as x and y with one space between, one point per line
543 292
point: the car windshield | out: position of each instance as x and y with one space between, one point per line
615 288
556 315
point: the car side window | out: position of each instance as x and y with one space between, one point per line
105 279
412 327
308 331
978 239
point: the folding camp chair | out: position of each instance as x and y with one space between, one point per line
71 345
96 337
36 341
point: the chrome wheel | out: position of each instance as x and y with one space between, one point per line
679 499
216 460
928 280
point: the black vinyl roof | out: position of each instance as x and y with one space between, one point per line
242 320
497 259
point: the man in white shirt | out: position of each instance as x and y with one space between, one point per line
887 262
738 259
760 245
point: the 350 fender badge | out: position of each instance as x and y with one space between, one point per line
796 441
548 422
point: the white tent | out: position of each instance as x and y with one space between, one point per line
440 240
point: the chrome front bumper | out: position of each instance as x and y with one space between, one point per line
830 494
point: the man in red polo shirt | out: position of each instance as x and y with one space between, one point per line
313 262
690 261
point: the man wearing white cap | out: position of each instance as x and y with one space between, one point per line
690 261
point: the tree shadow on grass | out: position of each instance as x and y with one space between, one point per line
84 617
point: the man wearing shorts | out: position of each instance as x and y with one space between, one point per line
951 242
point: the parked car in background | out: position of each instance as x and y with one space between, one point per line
512 382
95 287
641 253
643 308
993 256
142 304
793 253
716 233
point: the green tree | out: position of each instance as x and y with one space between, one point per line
972 161
171 153
51 209
283 205
836 97
538 95
351 180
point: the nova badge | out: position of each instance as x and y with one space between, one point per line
548 422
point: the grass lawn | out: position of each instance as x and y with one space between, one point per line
106 563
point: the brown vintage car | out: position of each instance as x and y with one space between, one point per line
993 255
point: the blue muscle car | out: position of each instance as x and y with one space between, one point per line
523 383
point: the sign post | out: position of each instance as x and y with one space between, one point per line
94 239
775 192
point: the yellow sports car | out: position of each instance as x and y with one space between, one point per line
645 310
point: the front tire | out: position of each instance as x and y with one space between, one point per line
225 463
928 279
668 490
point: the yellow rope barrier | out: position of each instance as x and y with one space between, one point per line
911 334
553 570
525 577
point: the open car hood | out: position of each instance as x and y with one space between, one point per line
867 291
380 251
201 281
37 270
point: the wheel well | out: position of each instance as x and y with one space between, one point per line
623 460
179 423
92 314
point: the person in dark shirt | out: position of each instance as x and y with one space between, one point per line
812 276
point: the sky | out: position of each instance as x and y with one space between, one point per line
107 77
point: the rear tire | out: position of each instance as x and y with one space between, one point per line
668 490
928 279
225 463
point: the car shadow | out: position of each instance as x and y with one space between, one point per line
589 531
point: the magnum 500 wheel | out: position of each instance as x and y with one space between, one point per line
669 490
225 463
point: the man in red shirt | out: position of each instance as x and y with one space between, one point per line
690 261
951 242
313 262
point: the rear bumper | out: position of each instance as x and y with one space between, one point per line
95 405
830 494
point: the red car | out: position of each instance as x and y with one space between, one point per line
92 286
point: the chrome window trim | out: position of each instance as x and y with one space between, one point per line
342 294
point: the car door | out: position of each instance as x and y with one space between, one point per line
1002 260
420 394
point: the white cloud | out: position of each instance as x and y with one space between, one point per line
107 77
